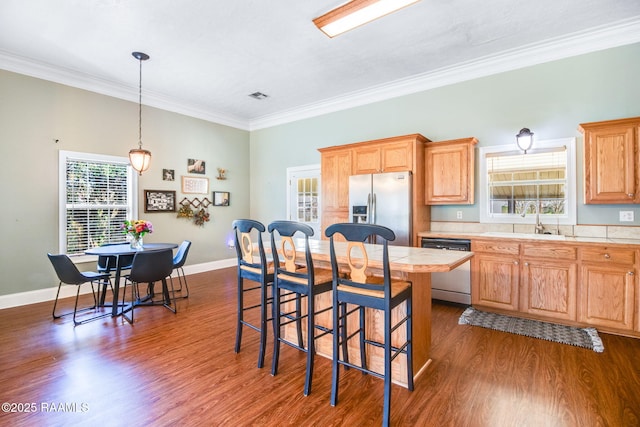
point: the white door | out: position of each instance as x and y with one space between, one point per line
303 196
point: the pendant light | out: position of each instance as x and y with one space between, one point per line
140 158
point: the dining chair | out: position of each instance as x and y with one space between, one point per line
69 274
178 263
364 290
149 267
297 276
256 268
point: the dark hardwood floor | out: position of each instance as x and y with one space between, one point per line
168 370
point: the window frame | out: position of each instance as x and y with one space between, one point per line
569 218
63 157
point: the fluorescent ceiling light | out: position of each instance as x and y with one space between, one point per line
355 13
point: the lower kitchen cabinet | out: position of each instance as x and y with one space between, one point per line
572 283
495 274
549 280
549 289
607 296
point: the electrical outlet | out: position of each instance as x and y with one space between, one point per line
626 216
459 214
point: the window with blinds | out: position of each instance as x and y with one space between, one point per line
98 197
541 181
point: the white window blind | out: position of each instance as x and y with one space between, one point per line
97 198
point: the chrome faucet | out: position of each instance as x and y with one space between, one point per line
539 227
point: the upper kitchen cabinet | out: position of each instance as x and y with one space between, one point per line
611 161
397 154
449 172
385 155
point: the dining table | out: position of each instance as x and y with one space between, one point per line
408 263
119 252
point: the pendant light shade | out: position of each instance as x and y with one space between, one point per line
140 158
524 139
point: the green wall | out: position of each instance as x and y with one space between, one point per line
34 113
551 99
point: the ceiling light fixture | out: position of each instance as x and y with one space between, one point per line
356 13
524 139
140 158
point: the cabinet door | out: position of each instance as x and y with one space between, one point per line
609 165
366 160
397 157
449 169
494 281
607 295
549 289
335 170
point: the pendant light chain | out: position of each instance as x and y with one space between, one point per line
140 106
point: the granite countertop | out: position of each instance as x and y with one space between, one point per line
528 237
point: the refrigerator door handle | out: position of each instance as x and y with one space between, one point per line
369 206
373 209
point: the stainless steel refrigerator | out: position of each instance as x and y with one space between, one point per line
383 199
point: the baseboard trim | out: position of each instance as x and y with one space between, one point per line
49 294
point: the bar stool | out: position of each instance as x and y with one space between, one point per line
299 279
259 271
362 289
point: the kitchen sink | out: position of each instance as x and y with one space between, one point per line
524 235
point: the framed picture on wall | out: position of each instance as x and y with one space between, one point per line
196 166
221 198
195 185
159 201
168 175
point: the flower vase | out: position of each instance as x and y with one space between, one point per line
136 243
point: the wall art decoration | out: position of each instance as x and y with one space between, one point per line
195 185
168 175
159 201
221 198
196 166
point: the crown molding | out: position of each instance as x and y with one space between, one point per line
605 37
621 33
73 78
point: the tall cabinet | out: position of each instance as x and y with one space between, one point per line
611 161
397 154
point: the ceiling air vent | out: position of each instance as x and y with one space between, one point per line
259 95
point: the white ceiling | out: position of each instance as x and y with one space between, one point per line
207 56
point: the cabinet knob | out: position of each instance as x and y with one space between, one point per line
631 195
516 262
607 256
631 273
526 264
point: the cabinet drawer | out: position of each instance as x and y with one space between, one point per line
549 251
495 247
608 255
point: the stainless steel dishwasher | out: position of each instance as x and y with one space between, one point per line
454 286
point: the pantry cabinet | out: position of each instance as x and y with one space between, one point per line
611 161
449 172
335 170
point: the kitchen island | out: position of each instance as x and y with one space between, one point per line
408 263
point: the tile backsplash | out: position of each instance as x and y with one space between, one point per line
604 231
